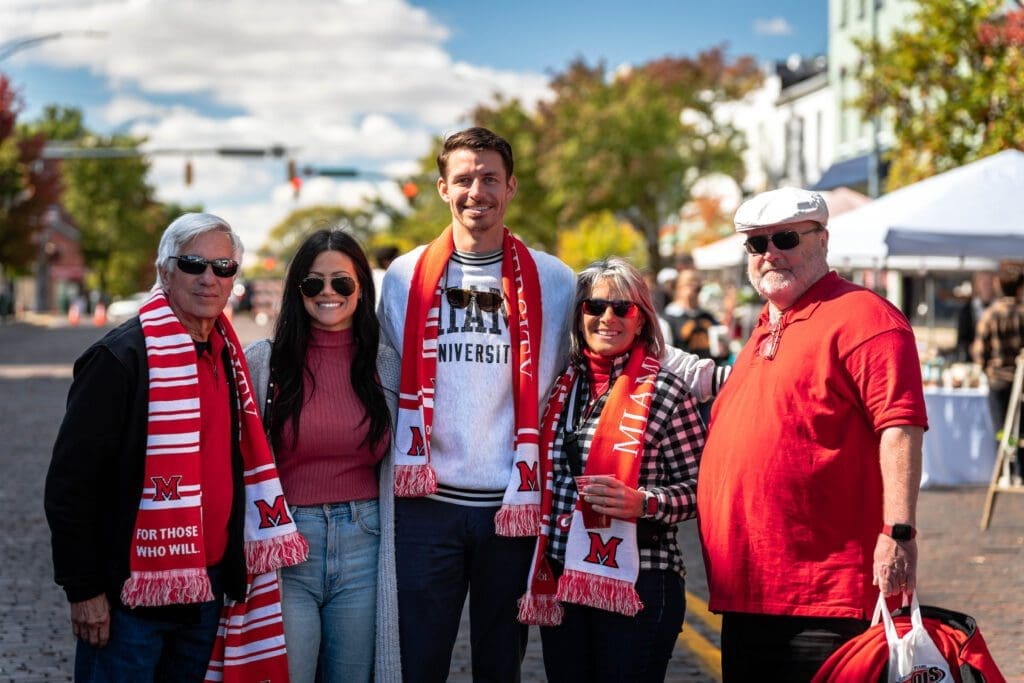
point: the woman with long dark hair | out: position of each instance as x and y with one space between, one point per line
328 419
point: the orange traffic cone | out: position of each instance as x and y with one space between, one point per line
99 315
74 314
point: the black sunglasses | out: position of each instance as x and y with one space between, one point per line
623 309
758 244
312 285
488 302
196 265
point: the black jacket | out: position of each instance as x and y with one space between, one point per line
94 483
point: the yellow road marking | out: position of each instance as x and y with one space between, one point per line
698 608
709 657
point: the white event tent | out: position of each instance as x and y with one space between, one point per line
964 219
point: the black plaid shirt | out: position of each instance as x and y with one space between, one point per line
672 446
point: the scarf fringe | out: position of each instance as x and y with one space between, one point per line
600 592
167 587
540 610
414 481
517 520
269 554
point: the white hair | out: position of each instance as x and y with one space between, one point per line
183 230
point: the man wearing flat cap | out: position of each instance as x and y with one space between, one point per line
809 478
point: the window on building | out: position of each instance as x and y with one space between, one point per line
842 12
862 8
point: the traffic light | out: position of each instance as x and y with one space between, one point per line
294 179
410 190
188 173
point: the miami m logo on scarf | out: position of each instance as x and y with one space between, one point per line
601 565
520 511
172 490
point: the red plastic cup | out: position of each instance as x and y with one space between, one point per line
591 518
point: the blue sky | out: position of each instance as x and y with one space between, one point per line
361 83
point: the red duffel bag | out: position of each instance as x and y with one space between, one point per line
955 637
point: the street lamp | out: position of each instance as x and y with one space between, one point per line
25 42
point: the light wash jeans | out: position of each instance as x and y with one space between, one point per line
329 602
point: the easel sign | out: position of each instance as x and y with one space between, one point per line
1006 474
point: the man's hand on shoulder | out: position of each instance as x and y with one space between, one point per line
90 620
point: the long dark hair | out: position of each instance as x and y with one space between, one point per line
291 338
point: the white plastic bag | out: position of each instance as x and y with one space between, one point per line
914 658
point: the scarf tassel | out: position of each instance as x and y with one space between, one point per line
517 520
600 592
540 609
413 481
268 554
167 587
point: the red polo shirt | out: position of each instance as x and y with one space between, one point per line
215 448
789 492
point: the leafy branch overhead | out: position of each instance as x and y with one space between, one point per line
951 85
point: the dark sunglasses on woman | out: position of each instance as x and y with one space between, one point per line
488 302
312 285
621 308
758 244
196 265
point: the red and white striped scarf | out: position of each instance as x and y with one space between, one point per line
601 565
168 560
414 477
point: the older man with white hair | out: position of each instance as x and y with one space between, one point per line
808 483
162 497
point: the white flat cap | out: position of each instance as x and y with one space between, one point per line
781 207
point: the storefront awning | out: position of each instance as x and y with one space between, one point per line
850 173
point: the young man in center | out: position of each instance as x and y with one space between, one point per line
480 322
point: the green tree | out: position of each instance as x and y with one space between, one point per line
111 203
598 236
622 143
951 84
285 237
28 185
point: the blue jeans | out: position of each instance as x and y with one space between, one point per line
442 552
329 602
596 645
154 644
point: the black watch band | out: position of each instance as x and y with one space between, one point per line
900 532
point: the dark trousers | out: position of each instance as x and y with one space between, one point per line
154 644
443 551
998 405
594 645
781 648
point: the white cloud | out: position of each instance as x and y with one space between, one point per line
341 82
776 26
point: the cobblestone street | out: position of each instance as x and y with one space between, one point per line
962 568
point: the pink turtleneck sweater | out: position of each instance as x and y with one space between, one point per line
328 464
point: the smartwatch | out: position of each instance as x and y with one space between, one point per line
650 504
899 532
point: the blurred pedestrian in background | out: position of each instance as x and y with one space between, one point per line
690 324
157 465
329 421
983 293
809 479
998 342
621 444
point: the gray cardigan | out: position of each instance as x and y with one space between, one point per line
387 660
